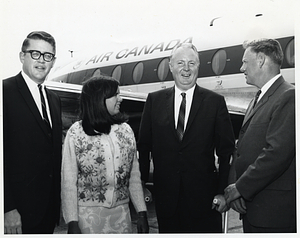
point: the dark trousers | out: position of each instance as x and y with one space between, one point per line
46 226
48 223
182 221
248 228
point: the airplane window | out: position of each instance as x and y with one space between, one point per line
219 61
97 72
290 53
163 69
117 73
138 72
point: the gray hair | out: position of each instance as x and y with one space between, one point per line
185 45
269 47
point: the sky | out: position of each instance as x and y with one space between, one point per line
82 26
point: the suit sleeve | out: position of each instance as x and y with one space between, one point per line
9 203
144 144
279 152
224 144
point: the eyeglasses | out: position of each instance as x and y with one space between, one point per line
35 54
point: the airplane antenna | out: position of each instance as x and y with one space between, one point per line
71 51
212 21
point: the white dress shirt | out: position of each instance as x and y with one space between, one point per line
178 99
34 90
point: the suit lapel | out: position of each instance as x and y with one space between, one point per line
51 105
196 102
25 92
250 113
54 109
170 108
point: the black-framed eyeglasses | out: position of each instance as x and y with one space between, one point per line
35 54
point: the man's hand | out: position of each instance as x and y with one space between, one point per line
239 205
219 203
231 193
12 222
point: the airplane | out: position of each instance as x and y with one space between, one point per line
145 68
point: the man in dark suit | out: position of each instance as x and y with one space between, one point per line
264 190
32 142
186 178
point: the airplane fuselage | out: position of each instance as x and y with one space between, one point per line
145 69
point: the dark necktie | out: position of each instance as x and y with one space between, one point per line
45 115
256 98
181 116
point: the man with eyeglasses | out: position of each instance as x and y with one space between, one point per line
32 135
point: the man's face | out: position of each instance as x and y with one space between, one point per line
37 70
250 67
184 66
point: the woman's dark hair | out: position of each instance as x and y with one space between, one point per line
95 117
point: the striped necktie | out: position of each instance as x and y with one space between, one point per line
181 116
45 115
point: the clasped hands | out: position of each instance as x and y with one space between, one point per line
234 199
231 199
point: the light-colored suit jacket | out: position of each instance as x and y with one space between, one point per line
265 164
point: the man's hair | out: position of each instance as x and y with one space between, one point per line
269 47
184 45
93 111
38 35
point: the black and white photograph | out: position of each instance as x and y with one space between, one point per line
159 117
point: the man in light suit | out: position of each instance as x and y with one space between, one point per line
186 179
264 190
32 142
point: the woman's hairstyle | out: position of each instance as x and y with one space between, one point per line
95 117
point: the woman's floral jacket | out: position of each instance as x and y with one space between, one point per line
100 170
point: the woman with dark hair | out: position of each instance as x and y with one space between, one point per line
100 170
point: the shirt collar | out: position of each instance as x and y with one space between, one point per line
30 83
265 88
189 92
